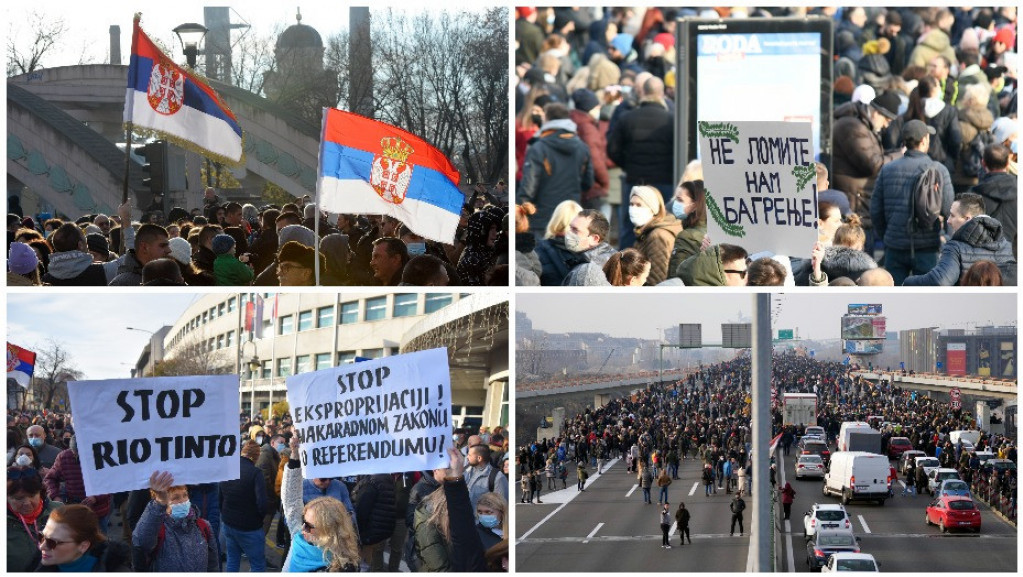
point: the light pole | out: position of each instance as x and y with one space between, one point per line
152 357
254 365
190 35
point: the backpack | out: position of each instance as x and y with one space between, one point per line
972 154
493 476
925 201
142 562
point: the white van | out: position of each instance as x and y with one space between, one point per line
858 476
848 427
971 436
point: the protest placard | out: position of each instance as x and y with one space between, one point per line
128 428
761 185
379 416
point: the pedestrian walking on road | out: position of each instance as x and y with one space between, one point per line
646 480
787 496
583 475
708 479
910 480
527 491
738 505
665 516
682 518
663 480
536 484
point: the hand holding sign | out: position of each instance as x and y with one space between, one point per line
457 462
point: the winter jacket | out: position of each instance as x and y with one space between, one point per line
999 192
527 262
374 508
129 270
703 269
243 500
687 243
263 248
589 132
477 258
656 240
432 553
554 260
980 238
22 548
229 271
268 463
64 483
890 205
642 143
478 481
844 261
184 548
682 518
857 157
558 167
946 142
204 259
590 268
74 268
646 478
933 43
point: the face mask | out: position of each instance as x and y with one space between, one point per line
416 248
35 442
489 521
640 215
259 439
180 511
23 460
281 447
572 241
678 209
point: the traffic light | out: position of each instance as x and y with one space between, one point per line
155 167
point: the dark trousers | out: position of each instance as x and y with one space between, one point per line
683 535
787 507
737 517
664 531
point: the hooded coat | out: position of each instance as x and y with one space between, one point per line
478 257
74 268
933 43
703 269
642 143
557 168
857 157
999 192
844 261
595 139
980 238
588 266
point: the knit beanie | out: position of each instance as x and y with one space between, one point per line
585 100
97 243
181 250
23 259
648 195
222 243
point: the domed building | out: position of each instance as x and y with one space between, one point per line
298 80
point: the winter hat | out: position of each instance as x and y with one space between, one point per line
844 85
23 259
525 11
92 229
864 93
181 250
222 243
665 39
887 104
27 222
622 43
1006 36
298 253
296 232
97 243
648 195
585 100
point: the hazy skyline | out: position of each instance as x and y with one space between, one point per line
815 316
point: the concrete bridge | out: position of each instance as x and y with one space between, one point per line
63 123
982 387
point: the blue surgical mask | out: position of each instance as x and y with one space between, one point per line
36 442
678 209
281 447
180 510
416 248
489 521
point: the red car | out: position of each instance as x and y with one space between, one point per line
898 445
953 513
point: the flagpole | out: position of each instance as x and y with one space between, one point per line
316 224
124 192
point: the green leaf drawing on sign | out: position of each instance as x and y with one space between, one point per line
804 174
718 130
715 211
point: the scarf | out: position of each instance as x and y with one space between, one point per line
83 564
306 557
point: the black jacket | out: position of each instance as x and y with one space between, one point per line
374 508
999 192
557 168
243 500
642 144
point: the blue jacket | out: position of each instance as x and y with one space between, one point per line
978 239
184 548
890 204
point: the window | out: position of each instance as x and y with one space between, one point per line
220 342
504 401
284 367
286 325
229 341
405 305
322 361
213 313
205 315
267 368
372 353
324 317
303 363
305 320
349 313
376 309
344 357
230 304
394 351
437 301
221 309
266 326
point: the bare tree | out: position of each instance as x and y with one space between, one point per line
196 356
54 369
253 54
44 31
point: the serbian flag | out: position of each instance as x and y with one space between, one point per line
368 167
20 364
176 105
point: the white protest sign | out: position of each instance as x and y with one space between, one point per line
761 185
380 416
127 428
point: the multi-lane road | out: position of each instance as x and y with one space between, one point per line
607 528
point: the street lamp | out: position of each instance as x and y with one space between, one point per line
152 357
190 35
254 364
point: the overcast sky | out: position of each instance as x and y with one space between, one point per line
91 326
816 316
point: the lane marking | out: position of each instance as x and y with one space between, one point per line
593 532
542 521
623 538
632 490
696 485
864 523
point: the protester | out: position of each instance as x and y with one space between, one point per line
72 541
28 510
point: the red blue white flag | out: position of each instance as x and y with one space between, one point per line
20 364
175 104
369 167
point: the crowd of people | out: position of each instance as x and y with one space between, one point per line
706 416
454 518
914 88
233 244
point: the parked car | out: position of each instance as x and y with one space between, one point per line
907 458
953 513
825 516
897 446
862 562
810 466
953 488
928 463
936 476
827 543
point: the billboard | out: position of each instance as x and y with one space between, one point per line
1007 350
861 309
955 359
737 336
690 335
785 334
864 347
856 327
